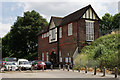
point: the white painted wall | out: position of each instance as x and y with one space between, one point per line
91 12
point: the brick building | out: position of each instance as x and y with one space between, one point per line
66 36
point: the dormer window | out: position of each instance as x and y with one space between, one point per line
53 36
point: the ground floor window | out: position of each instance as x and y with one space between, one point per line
66 59
42 56
47 56
60 56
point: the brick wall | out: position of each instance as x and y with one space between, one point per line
67 44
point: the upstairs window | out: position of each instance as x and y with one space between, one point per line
70 29
60 32
53 36
89 31
47 34
42 36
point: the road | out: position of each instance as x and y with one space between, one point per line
52 74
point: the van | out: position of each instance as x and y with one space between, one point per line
24 64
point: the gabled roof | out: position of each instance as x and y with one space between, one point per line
76 15
56 20
43 30
59 21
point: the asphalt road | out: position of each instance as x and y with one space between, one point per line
52 74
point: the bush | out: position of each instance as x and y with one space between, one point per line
102 53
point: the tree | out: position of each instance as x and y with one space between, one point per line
116 20
106 23
109 23
23 40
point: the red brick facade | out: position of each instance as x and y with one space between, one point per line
66 44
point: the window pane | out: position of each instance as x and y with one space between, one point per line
60 32
69 29
42 56
89 31
47 56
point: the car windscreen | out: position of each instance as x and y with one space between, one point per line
24 63
10 64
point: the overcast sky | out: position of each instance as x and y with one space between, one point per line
10 9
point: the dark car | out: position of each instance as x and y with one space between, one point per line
48 64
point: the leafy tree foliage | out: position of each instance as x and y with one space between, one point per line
105 49
109 23
22 41
116 20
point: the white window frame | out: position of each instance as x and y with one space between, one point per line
70 29
47 34
43 56
42 36
60 32
60 56
53 34
89 30
47 56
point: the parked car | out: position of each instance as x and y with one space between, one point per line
24 64
48 64
40 65
12 66
34 64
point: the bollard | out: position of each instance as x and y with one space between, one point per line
68 67
79 69
59 66
95 70
63 67
73 68
104 71
116 73
51 67
19 68
85 69
8 68
43 68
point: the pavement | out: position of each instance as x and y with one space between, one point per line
52 74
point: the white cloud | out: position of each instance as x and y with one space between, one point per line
60 8
4 29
